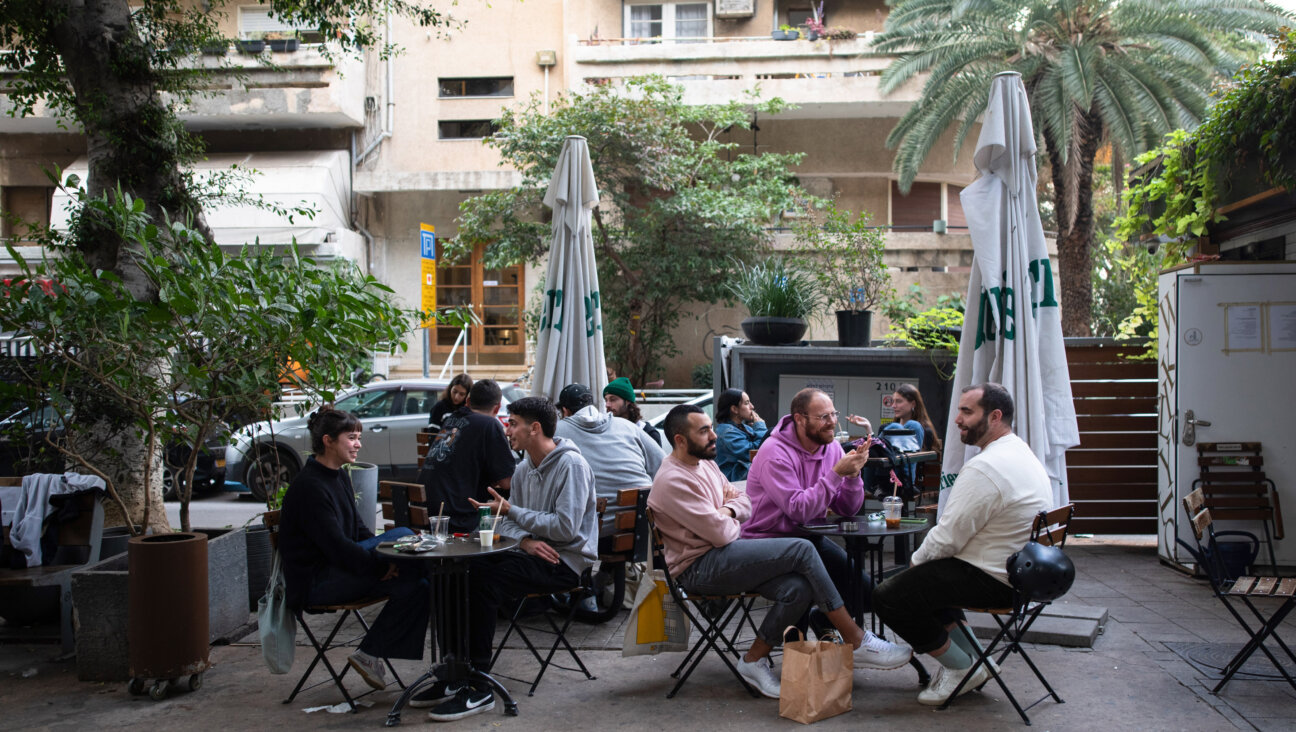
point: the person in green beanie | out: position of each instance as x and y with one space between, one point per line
619 398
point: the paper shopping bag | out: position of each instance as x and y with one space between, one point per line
818 679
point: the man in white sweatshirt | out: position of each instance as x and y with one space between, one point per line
962 561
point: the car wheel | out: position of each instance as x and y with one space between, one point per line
269 469
170 484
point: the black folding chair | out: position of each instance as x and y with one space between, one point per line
710 614
1243 590
348 610
576 594
1050 528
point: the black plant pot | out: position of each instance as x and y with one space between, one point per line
774 331
260 559
855 328
251 47
280 45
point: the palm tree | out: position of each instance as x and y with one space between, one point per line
1124 72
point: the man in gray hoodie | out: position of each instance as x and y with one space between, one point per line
620 454
552 513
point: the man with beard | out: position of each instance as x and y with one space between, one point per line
799 473
698 513
619 399
962 562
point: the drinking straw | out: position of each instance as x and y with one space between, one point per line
441 511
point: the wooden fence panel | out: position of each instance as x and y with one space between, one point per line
1113 473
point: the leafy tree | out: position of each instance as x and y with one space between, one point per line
101 67
681 210
1123 71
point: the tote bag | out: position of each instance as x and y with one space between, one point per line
276 625
818 679
657 624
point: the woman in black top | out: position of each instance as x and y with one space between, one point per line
455 396
329 555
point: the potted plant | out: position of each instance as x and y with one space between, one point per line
779 296
280 42
251 47
815 23
840 34
786 32
845 256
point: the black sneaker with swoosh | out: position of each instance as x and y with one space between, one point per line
441 691
465 704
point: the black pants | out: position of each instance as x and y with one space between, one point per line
501 579
918 603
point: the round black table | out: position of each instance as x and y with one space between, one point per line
869 537
447 568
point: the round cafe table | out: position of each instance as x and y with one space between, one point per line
863 537
447 569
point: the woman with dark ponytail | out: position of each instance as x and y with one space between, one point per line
329 555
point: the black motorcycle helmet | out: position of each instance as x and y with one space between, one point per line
1041 573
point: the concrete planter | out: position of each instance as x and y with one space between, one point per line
100 600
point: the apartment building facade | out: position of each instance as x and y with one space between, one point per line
383 147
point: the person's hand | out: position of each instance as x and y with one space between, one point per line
859 421
731 492
851 464
754 417
537 548
499 505
392 572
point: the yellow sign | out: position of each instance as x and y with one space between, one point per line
427 256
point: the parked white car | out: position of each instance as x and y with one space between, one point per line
392 414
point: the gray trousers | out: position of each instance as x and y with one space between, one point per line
786 571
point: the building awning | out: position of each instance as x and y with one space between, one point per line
316 179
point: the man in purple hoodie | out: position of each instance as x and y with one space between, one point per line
798 475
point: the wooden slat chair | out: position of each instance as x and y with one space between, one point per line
424 442
348 610
403 504
1235 488
559 632
78 546
623 539
1243 590
1049 528
710 614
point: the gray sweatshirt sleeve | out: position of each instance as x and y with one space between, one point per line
573 487
652 453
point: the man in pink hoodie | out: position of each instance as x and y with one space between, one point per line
698 513
798 475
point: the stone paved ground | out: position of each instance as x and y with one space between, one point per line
1137 676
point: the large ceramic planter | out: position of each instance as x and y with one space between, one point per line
364 481
774 331
855 328
167 596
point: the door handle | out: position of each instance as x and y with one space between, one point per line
1190 427
378 428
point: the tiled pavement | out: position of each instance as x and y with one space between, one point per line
1138 675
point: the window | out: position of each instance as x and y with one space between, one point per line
495 296
25 209
465 129
255 23
668 20
491 86
369 404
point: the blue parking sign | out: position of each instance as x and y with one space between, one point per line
427 241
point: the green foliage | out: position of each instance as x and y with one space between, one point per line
702 376
935 329
1177 197
776 289
845 257
1120 303
899 308
680 209
213 346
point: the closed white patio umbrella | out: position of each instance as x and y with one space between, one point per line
1012 331
569 345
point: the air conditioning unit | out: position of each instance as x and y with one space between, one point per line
735 9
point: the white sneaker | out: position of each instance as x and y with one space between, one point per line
369 668
877 653
760 674
942 686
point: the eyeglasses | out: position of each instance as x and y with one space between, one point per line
827 417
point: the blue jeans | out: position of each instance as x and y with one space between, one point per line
785 570
401 628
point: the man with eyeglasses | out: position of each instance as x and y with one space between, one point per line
798 474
